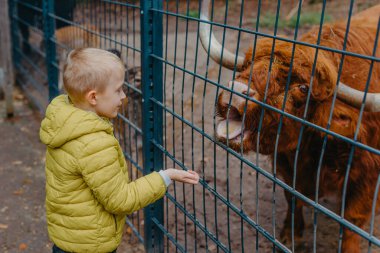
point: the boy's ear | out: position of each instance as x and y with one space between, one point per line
91 97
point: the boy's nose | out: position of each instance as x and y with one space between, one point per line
123 96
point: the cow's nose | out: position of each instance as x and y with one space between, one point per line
251 93
241 88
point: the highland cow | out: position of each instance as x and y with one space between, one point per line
313 90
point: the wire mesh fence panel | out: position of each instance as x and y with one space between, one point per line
270 122
27 34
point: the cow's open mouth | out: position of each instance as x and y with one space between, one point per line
231 130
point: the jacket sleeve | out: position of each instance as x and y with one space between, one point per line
102 171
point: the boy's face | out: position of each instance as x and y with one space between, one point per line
110 100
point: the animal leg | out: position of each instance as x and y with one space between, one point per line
299 223
358 213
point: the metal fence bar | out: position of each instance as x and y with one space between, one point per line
6 64
49 32
151 41
14 32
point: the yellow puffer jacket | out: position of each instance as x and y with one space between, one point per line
88 193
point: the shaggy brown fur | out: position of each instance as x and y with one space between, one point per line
365 166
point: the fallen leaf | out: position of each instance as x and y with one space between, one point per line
129 231
19 96
26 181
17 162
3 226
212 247
18 192
24 129
27 169
22 246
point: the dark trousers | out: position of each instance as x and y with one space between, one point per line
58 250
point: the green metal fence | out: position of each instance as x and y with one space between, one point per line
273 133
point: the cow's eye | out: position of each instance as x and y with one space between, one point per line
303 88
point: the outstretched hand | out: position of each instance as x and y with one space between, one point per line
189 177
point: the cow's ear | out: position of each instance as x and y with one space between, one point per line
344 120
325 79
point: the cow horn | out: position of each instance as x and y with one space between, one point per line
355 98
216 49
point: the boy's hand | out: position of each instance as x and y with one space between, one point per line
189 177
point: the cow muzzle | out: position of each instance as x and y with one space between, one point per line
239 104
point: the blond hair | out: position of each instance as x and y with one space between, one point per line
89 69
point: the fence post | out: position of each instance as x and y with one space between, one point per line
51 62
15 33
152 86
6 66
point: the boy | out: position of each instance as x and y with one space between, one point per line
88 193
